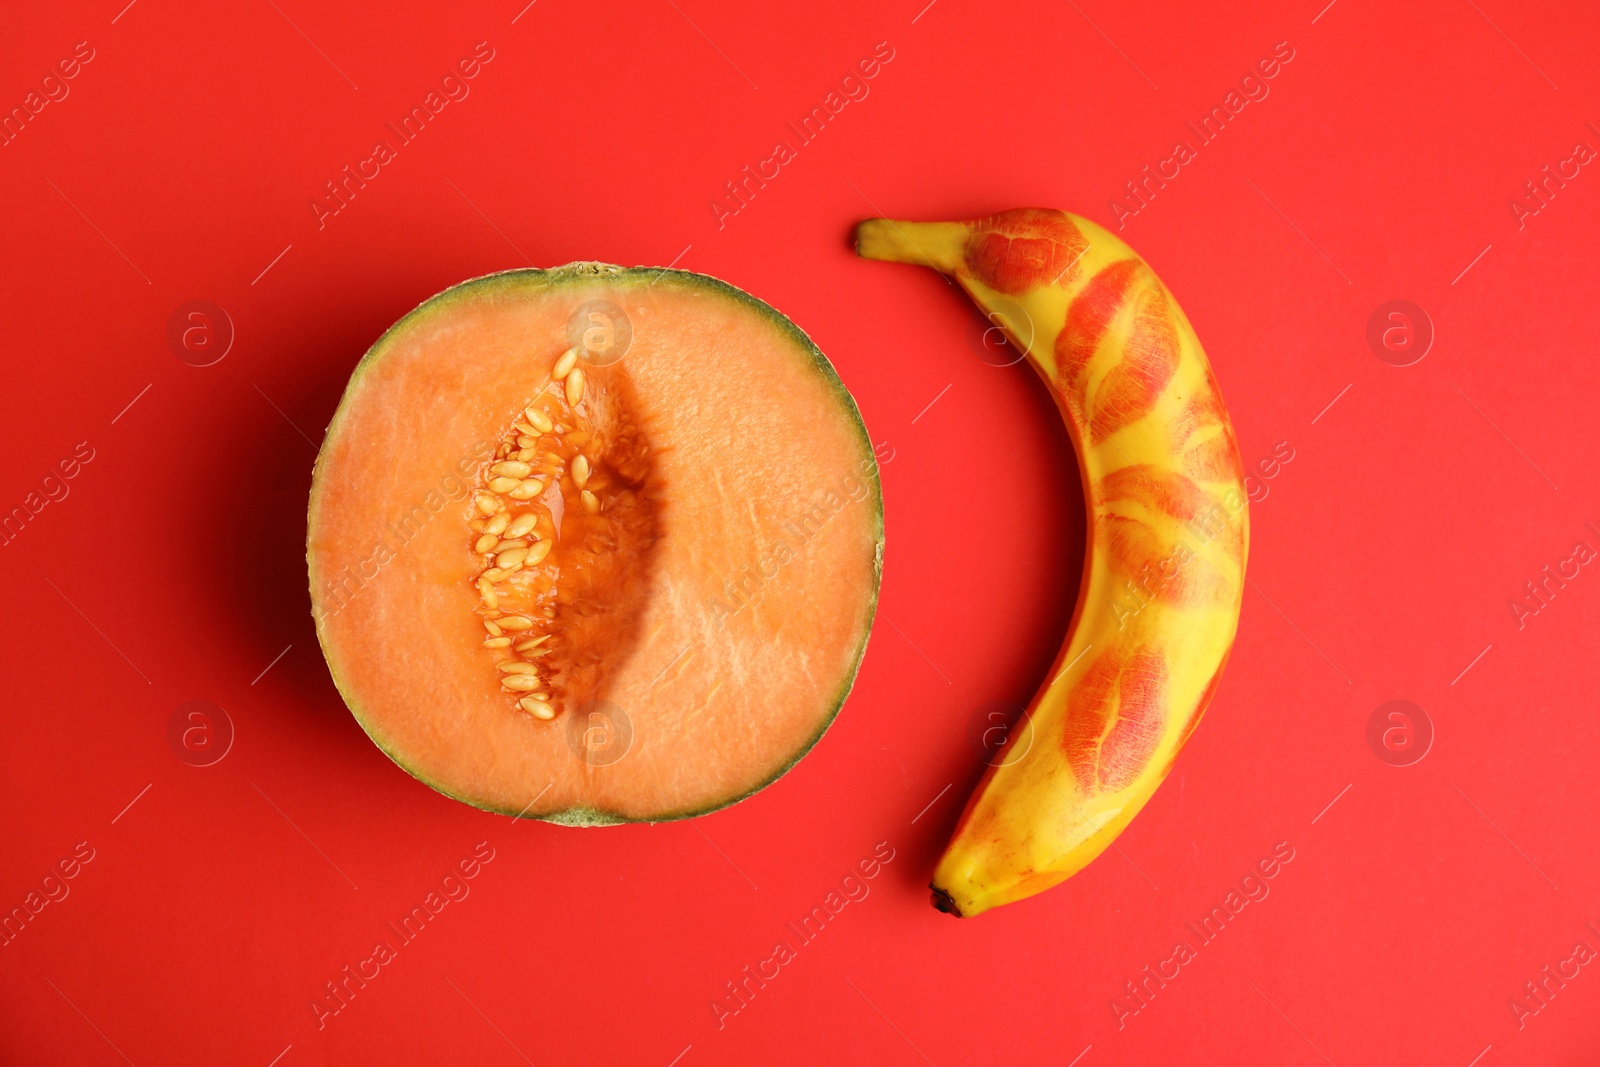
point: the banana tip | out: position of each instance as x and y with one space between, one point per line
945 902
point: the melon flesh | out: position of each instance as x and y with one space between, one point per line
704 614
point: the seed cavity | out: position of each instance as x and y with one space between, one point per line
514 532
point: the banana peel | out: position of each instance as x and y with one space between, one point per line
1168 516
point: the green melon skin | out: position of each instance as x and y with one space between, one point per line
586 271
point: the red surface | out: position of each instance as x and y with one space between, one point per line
182 163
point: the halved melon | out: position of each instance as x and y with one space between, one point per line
595 544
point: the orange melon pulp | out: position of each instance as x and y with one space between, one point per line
633 583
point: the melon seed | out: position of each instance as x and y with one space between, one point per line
512 469
580 470
513 623
522 524
512 666
497 642
591 503
537 708
540 420
537 553
510 558
497 524
523 683
564 366
575 386
485 543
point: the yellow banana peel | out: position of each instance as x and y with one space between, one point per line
1168 534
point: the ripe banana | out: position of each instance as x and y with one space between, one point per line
1163 576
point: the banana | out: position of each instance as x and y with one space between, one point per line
1168 533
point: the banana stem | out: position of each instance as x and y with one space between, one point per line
939 245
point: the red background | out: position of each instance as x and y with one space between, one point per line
1380 165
